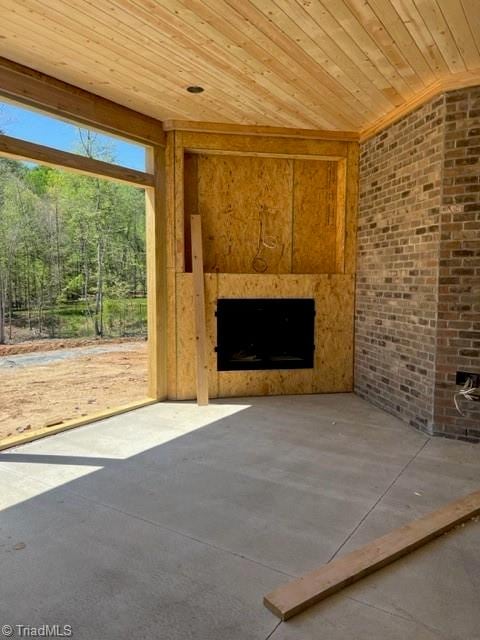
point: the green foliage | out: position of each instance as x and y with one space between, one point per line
72 251
73 289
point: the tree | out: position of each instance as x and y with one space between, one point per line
67 238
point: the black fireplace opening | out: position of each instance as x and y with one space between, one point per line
265 333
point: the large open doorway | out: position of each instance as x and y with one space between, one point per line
73 285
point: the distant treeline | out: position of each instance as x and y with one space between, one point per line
72 252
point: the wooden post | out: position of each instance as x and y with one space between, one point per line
199 307
156 276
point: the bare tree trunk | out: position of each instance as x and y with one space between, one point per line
57 248
10 305
99 294
2 311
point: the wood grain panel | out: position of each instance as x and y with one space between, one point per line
265 286
328 64
333 371
314 217
212 182
333 334
246 209
258 383
334 326
264 383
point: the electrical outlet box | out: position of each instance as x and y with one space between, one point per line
463 376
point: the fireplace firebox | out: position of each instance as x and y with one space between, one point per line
265 333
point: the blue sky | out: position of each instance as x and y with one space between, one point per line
35 127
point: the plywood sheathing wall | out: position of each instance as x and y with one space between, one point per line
301 195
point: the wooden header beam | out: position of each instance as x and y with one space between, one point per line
22 150
40 91
256 130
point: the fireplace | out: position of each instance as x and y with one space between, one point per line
265 333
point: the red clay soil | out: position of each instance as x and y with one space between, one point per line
32 396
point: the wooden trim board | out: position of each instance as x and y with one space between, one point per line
294 597
23 150
451 83
24 438
199 308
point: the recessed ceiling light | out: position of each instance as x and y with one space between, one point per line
195 89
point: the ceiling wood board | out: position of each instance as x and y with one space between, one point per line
340 65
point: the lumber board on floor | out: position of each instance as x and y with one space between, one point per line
296 596
66 425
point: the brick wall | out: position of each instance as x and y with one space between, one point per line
458 332
418 271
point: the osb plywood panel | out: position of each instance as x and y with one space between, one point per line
333 371
333 334
314 217
190 198
333 292
231 285
246 206
185 343
265 215
264 383
334 301
259 383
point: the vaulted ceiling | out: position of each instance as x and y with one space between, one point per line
324 64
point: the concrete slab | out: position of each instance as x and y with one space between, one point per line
173 521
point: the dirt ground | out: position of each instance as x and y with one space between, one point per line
34 346
31 396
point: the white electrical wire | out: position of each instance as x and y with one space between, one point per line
468 392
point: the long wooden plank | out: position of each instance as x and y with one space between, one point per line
30 436
199 307
294 597
41 91
23 150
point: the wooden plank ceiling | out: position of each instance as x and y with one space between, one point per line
317 64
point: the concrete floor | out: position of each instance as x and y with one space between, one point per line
172 522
